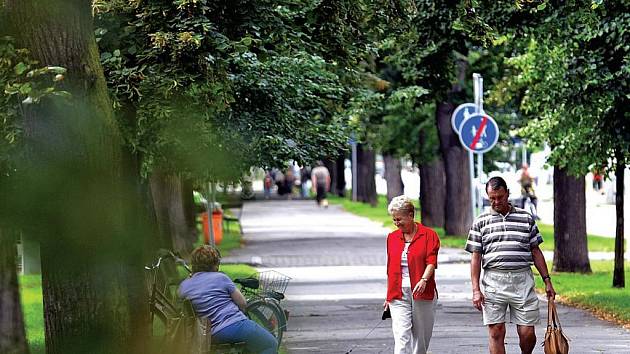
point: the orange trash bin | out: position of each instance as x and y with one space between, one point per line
217 226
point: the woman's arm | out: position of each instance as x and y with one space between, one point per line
239 299
422 284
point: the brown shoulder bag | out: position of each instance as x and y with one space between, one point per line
555 341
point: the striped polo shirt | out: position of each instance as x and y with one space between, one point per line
505 242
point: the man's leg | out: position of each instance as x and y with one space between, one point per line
527 338
497 338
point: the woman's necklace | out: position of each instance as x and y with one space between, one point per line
409 237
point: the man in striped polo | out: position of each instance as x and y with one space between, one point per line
505 243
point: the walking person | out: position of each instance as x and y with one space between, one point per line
505 243
321 183
214 295
411 291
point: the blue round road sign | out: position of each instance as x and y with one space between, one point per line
461 113
479 133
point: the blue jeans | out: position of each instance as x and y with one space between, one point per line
258 339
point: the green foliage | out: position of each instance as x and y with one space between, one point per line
256 83
570 77
22 82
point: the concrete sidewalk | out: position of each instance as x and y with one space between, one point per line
337 259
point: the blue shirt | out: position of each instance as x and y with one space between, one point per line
209 293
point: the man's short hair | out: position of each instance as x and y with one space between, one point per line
495 183
205 258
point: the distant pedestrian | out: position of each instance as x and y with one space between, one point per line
598 179
289 182
504 242
305 177
411 291
321 183
267 184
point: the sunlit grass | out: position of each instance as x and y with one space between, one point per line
379 214
594 291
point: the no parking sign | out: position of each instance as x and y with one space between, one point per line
479 133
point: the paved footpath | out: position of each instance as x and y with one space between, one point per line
337 259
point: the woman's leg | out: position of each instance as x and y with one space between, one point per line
423 320
402 323
258 339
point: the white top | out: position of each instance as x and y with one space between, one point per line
404 267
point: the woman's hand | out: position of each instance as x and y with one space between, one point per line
419 288
385 305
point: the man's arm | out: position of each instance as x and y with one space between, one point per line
541 265
475 272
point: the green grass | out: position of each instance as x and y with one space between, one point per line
594 292
33 307
379 214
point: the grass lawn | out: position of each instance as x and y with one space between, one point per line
32 303
379 214
594 292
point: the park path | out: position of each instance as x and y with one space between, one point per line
336 260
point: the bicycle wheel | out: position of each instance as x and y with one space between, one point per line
269 315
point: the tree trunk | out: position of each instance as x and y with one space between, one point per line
619 280
432 193
173 211
392 176
73 172
12 334
341 175
458 213
331 165
569 220
366 169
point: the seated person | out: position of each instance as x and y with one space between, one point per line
214 295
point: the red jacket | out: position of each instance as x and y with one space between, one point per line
423 250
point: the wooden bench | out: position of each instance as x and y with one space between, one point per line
236 208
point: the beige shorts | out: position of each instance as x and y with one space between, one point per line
510 289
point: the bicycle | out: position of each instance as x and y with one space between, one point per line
174 323
263 295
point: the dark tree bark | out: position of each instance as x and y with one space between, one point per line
91 264
432 193
619 280
569 220
12 333
331 165
395 185
458 213
174 210
366 169
340 173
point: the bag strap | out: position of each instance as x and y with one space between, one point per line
552 315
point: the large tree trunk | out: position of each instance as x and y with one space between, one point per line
392 176
458 211
619 280
366 169
432 193
569 221
73 173
174 210
341 175
12 334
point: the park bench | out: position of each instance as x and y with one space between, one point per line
236 209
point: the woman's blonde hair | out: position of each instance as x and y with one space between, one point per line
205 258
401 203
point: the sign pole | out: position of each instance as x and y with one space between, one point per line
354 170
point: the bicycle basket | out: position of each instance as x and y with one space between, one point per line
272 281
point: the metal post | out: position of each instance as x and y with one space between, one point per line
354 170
210 208
524 153
471 170
479 183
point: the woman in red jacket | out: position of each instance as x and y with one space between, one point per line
411 292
